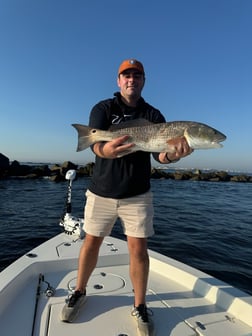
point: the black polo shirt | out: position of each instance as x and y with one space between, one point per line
130 175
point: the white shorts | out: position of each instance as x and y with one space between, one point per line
135 213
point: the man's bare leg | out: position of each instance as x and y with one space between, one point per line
139 267
87 260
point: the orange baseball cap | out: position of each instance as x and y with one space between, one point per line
131 64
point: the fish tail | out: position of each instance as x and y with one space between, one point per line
84 137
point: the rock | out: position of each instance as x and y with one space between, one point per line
4 162
68 165
157 173
16 169
40 171
183 175
215 179
239 178
4 165
224 176
197 172
195 178
57 178
56 170
86 170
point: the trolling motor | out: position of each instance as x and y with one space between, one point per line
72 225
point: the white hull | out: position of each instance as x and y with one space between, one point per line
184 301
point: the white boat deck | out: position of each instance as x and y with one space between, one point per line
184 301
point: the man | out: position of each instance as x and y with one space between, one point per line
120 187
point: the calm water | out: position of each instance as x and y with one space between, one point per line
204 224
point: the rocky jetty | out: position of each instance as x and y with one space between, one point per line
57 172
198 175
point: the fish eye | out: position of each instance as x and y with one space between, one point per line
93 131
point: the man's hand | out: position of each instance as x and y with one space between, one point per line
113 149
180 149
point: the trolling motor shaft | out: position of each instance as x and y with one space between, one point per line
70 176
72 225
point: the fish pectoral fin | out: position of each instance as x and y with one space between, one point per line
187 137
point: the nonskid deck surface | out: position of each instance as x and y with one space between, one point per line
108 308
177 308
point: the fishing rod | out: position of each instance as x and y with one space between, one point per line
49 291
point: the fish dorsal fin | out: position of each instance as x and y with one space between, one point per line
131 123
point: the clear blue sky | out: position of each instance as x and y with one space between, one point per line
60 57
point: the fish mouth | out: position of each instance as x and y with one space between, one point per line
222 138
217 144
219 137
